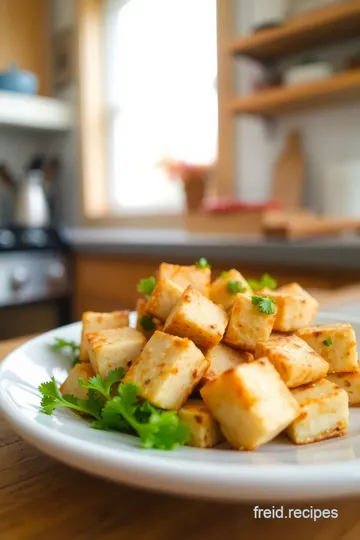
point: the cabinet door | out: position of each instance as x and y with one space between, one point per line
25 36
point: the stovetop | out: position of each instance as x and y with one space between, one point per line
29 239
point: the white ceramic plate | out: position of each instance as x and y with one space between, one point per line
278 471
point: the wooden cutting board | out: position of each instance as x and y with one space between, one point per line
289 173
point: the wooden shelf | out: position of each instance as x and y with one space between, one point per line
320 27
342 87
34 112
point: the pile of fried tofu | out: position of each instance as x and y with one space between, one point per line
232 371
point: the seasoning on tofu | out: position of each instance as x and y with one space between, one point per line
94 322
324 412
341 353
251 403
197 318
350 382
247 325
204 431
224 289
296 362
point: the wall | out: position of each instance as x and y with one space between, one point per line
329 135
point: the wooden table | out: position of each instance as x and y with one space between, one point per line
41 499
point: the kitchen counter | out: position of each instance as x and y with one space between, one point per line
339 252
41 498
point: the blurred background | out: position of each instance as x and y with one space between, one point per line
139 131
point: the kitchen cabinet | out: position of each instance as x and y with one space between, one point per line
108 282
25 38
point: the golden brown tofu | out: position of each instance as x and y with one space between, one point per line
336 343
324 412
71 384
163 298
167 370
94 322
183 276
294 309
223 290
111 349
204 431
197 318
251 403
296 362
141 325
350 382
247 325
222 358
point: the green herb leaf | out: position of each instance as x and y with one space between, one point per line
328 341
68 347
147 323
224 275
235 287
202 263
266 281
146 285
101 385
265 304
53 398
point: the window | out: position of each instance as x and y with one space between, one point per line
161 99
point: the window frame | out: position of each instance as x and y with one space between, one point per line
93 149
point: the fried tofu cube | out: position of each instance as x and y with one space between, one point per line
163 298
71 384
251 403
223 358
295 309
197 318
296 362
324 412
350 382
220 291
94 322
167 370
199 278
143 325
247 324
336 343
111 349
204 431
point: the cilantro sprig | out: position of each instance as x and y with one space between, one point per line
202 263
68 347
146 285
235 287
266 282
327 342
265 304
125 411
147 323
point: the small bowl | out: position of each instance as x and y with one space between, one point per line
15 80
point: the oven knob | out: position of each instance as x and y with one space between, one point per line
56 274
19 278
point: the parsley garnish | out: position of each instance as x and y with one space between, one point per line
265 304
235 287
327 342
146 285
61 345
124 412
266 281
224 275
147 323
202 263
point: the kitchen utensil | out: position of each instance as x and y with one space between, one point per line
341 190
31 209
268 14
289 174
16 80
